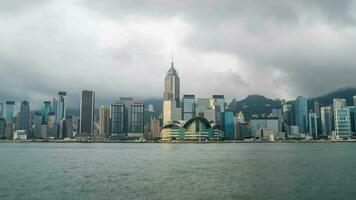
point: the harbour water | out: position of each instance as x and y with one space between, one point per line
177 171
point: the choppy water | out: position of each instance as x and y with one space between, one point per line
177 171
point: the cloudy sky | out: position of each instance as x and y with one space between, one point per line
279 48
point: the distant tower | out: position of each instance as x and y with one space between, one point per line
87 105
25 116
62 106
1 109
172 85
171 96
9 117
301 114
46 109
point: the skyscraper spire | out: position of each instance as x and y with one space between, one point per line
172 65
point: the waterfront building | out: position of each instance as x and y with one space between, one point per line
229 125
188 107
278 113
2 128
217 103
1 109
317 108
67 127
87 106
326 120
313 125
137 119
52 128
171 96
354 98
61 106
210 115
37 122
263 123
202 105
117 116
242 130
25 115
46 109
195 129
104 121
9 117
352 110
9 131
155 127
20 135
301 114
342 118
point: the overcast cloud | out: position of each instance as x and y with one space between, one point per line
280 48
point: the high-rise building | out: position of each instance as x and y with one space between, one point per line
352 110
217 104
61 106
277 113
52 129
25 116
67 127
188 107
137 119
171 96
37 129
339 103
118 120
155 127
301 114
1 109
2 127
263 123
54 107
87 106
313 125
46 109
104 121
354 98
9 117
229 125
203 104
172 86
326 116
342 119
127 101
317 108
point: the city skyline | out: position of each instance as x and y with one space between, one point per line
242 51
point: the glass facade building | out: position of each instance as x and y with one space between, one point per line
229 125
9 117
25 116
188 105
301 114
117 115
87 106
62 106
326 120
137 117
46 109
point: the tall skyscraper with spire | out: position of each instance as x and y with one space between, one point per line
171 96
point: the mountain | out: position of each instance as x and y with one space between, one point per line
326 100
254 104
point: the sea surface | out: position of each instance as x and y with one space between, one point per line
177 171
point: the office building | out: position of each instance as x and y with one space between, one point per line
171 97
202 105
263 123
1 109
37 122
188 107
278 113
9 117
229 125
104 121
352 110
317 108
67 127
25 116
137 119
61 106
118 120
2 128
313 126
87 106
217 103
242 130
326 120
301 114
46 109
342 120
52 128
155 128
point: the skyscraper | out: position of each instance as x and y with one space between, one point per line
1 109
313 125
326 116
62 106
354 98
172 86
117 115
2 127
25 116
52 128
9 117
87 106
54 106
229 125
104 121
341 117
137 119
217 104
301 114
188 107
171 96
46 109
37 130
203 104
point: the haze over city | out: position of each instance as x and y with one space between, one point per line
279 49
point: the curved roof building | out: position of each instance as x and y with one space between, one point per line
195 129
